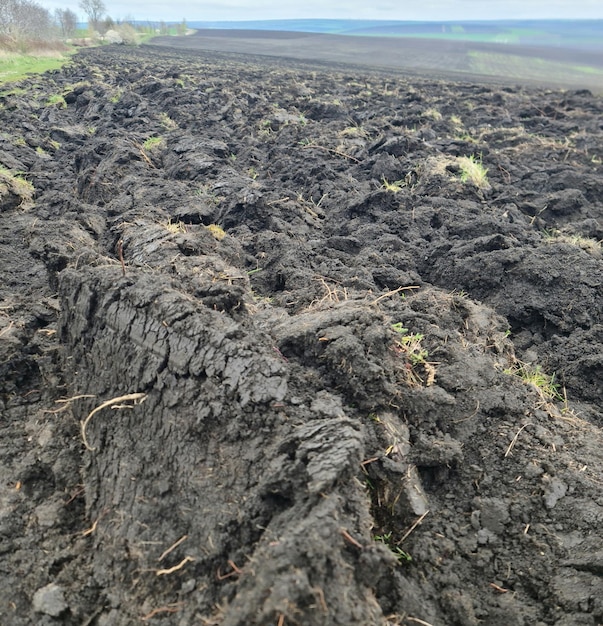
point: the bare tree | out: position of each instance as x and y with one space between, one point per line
94 9
106 24
38 21
4 16
66 20
21 19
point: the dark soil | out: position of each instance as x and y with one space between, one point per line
318 328
558 67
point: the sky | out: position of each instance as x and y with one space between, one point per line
436 10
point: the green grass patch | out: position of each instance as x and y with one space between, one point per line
15 67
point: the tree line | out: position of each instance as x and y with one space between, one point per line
26 19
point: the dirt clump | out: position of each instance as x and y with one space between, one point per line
294 345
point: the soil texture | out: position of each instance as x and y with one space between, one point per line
277 346
445 59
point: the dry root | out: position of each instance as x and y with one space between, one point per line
114 403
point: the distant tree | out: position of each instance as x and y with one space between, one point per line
106 24
182 28
94 9
66 20
7 16
24 19
35 20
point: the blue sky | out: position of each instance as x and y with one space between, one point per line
437 10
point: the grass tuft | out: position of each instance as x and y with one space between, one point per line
167 122
592 246
386 539
175 227
217 231
533 375
472 171
152 143
393 187
410 346
56 100
16 184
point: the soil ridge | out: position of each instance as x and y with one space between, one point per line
321 310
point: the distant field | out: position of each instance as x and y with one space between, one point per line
521 67
576 34
442 58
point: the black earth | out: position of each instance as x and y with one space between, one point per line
289 345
